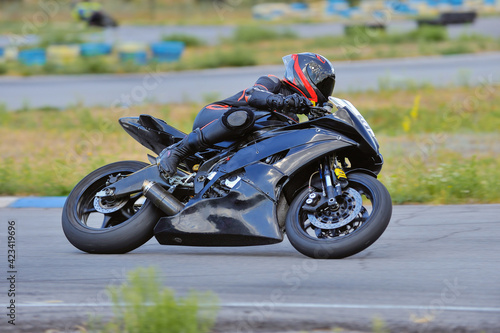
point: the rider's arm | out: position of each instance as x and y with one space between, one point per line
265 95
257 96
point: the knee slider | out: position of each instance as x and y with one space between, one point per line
238 119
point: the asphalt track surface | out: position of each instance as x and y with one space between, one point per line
435 269
124 91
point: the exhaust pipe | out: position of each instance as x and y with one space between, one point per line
161 198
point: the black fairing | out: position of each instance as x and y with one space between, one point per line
365 155
245 216
249 211
151 132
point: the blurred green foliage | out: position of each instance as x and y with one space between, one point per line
238 56
444 178
256 33
188 40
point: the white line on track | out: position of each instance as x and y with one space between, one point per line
283 305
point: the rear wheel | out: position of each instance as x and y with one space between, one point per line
96 225
363 214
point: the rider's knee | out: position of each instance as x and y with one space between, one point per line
240 119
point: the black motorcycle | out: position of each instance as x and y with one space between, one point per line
315 180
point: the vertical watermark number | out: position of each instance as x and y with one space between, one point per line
11 272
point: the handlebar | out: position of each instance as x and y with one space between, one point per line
319 111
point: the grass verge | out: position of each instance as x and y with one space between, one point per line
445 177
440 145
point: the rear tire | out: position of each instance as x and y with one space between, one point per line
129 224
354 237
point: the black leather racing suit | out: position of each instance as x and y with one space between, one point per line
248 100
234 117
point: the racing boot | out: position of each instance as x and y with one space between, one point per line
170 157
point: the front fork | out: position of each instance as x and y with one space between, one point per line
333 180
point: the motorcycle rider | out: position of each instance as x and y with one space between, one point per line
309 79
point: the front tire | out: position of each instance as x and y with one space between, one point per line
366 205
119 226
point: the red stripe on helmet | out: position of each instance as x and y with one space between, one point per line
303 78
320 58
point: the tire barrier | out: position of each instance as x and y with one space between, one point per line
137 53
32 57
450 18
167 51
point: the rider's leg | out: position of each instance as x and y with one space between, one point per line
233 123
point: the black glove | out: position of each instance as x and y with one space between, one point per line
296 104
293 103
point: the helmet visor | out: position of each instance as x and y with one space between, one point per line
326 86
323 79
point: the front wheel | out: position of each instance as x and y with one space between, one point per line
364 211
96 225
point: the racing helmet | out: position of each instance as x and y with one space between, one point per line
310 74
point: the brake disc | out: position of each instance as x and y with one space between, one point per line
348 211
109 206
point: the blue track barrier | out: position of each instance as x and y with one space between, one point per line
32 57
95 49
167 51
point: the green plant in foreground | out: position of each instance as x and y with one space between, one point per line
3 68
378 326
142 305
